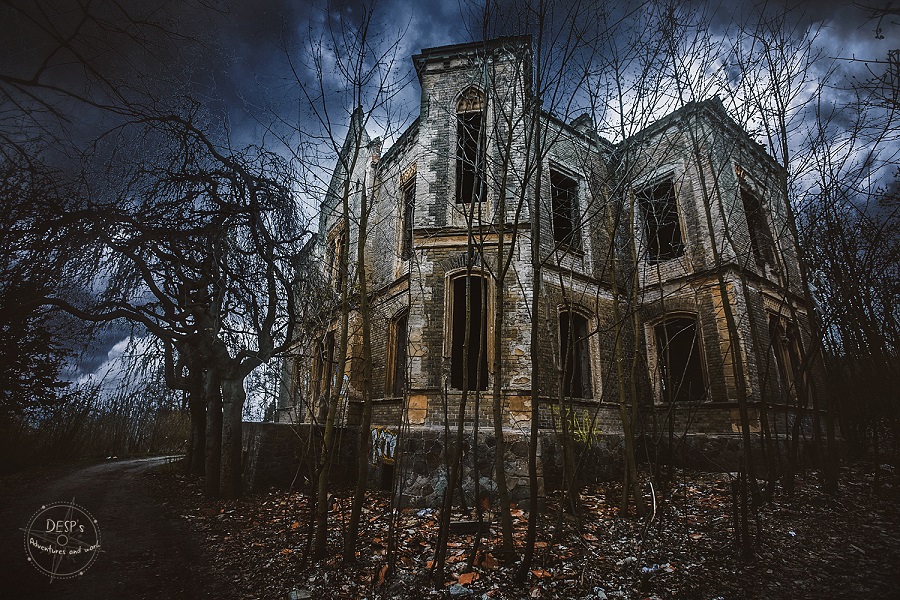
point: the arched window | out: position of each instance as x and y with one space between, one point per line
470 142
468 344
575 354
679 360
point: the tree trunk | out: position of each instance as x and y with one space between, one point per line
234 396
197 404
321 539
365 439
213 392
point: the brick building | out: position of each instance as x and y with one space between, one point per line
661 223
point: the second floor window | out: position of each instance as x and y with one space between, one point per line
662 228
564 201
761 243
408 195
395 385
470 141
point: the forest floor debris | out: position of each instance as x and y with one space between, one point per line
812 545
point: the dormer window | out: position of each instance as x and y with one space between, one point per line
470 140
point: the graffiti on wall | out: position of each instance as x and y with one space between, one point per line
384 445
581 426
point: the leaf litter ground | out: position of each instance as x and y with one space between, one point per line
813 545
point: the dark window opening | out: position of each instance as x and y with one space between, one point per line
409 201
662 229
397 373
335 256
326 373
468 352
786 345
761 242
386 477
680 364
470 183
575 355
564 201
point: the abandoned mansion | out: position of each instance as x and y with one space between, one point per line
660 272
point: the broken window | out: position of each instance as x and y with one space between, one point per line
325 372
335 255
564 202
575 355
470 183
761 242
786 345
408 194
468 351
396 372
679 360
662 230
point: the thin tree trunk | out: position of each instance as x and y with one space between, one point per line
362 475
321 539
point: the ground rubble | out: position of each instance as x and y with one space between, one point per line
812 545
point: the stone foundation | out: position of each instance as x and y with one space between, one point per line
285 456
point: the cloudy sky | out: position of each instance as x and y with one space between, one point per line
246 62
246 59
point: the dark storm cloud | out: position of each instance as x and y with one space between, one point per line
233 56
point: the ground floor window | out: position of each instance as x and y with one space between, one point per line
788 353
468 349
395 385
575 355
679 360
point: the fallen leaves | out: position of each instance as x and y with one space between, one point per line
688 551
467 578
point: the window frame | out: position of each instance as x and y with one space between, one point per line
673 205
572 241
654 359
762 240
470 104
586 360
449 319
407 190
394 359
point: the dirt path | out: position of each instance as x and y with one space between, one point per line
144 553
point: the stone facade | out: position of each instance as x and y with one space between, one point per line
670 223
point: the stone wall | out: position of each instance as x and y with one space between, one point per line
279 455
282 455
